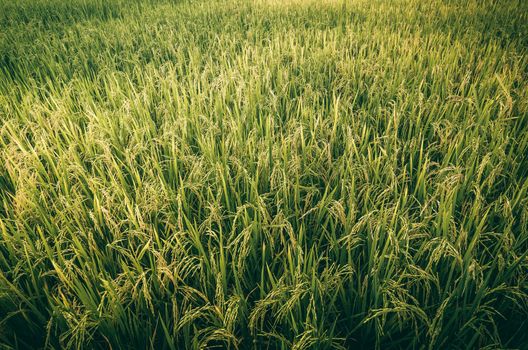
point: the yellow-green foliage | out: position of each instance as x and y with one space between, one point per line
264 174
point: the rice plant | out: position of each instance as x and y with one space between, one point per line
264 174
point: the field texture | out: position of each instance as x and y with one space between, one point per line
269 174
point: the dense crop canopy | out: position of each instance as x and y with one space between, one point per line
264 174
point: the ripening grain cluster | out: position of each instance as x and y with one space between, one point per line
264 174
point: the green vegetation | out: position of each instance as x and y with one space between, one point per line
264 174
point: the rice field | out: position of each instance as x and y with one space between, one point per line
264 174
